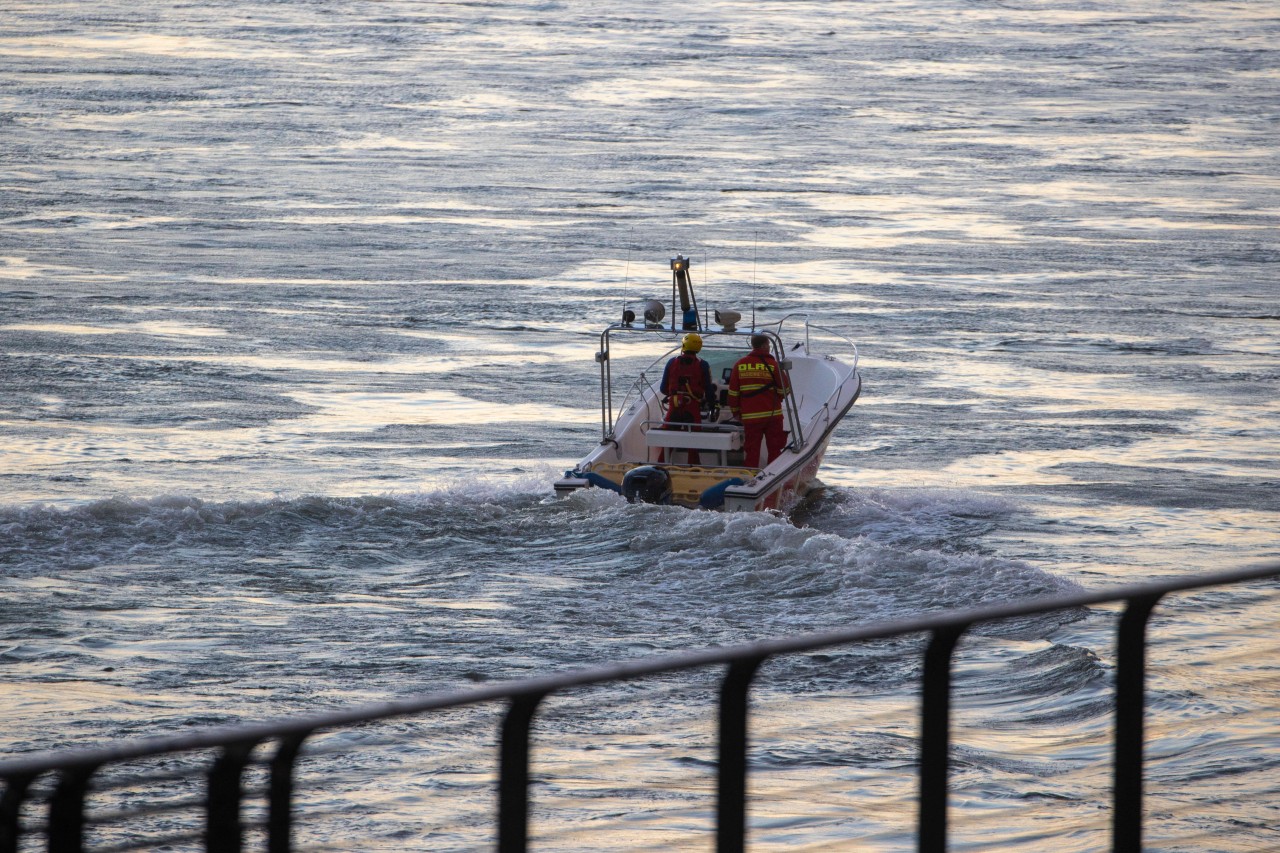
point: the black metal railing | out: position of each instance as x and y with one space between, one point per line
218 759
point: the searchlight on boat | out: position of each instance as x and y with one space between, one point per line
728 320
654 311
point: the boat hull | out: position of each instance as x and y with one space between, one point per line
779 492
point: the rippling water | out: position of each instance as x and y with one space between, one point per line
297 311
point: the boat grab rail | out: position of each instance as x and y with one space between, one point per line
636 391
638 387
681 426
808 326
831 403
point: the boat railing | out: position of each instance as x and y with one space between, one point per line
810 327
784 333
228 786
642 384
680 426
635 393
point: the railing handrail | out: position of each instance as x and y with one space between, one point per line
683 426
808 326
948 622
711 337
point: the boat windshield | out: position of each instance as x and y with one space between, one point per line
638 356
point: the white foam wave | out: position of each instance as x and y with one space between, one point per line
867 557
892 568
110 529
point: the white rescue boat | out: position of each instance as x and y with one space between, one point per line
647 458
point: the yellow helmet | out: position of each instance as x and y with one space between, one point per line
691 343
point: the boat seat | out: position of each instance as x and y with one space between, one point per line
719 441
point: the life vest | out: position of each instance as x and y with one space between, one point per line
684 385
756 387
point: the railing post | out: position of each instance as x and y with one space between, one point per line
513 774
731 779
1131 669
222 829
66 809
280 794
935 739
15 794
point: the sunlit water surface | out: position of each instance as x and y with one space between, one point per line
297 311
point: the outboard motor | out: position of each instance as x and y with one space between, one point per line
647 484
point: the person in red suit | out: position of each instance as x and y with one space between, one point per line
686 383
757 387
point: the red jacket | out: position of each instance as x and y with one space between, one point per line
687 382
757 386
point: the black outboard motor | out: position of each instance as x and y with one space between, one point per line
647 484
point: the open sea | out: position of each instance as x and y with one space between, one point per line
298 307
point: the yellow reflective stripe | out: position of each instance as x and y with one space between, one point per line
755 416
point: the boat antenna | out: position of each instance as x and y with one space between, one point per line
755 283
706 318
626 277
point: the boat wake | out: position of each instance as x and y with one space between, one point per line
881 553
285 605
